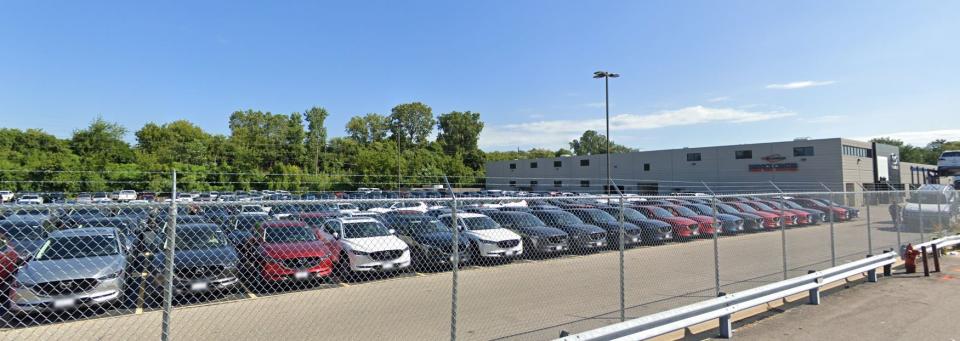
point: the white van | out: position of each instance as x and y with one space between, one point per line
949 163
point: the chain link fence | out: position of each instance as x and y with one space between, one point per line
437 264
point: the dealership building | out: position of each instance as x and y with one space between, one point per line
802 164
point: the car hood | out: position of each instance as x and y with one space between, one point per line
540 231
679 221
296 250
765 214
616 226
701 219
746 216
57 270
374 244
649 223
580 229
728 217
441 238
494 234
190 258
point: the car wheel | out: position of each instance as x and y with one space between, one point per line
342 268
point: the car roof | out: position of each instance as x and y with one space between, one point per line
84 231
347 220
465 215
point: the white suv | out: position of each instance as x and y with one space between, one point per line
418 206
486 237
368 245
949 163
32 199
6 196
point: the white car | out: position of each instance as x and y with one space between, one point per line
417 206
28 199
6 196
347 208
368 245
949 163
253 210
127 195
100 197
486 237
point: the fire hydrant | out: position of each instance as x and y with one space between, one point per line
910 259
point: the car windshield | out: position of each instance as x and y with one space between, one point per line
601 216
32 212
347 206
660 212
747 208
133 210
686 212
479 223
792 204
422 225
724 208
950 154
199 239
248 209
763 207
704 209
633 214
565 218
246 223
364 229
22 230
288 234
525 220
77 247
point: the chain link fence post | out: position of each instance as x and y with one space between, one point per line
171 240
919 200
867 203
783 230
942 226
833 241
623 237
455 263
716 241
897 216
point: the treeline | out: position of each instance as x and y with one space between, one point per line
262 151
928 154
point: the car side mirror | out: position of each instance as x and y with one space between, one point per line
336 235
392 231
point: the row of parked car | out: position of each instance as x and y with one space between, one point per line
62 257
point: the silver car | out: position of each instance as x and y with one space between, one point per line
73 268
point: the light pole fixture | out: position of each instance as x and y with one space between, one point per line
606 75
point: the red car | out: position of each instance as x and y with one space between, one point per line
682 227
282 250
707 223
839 213
770 220
803 217
9 260
790 218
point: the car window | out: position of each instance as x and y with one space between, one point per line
288 234
23 231
480 223
199 239
364 229
659 212
77 247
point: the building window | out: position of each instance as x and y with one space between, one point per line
533 183
646 167
513 166
533 165
802 151
557 183
857 151
584 183
558 164
743 154
513 183
693 157
584 163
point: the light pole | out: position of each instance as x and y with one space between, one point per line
606 92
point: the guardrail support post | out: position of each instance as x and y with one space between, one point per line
872 273
936 258
888 269
726 326
926 268
814 294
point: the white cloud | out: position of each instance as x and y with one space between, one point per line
558 132
799 85
918 138
719 99
824 119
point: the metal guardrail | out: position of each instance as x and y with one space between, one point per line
724 306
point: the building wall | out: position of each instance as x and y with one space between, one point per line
672 171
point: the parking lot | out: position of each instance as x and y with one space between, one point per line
526 299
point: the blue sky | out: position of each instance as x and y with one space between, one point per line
694 73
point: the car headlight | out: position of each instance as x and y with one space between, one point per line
114 275
360 253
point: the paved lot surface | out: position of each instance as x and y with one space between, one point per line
525 300
899 308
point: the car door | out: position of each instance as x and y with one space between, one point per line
9 260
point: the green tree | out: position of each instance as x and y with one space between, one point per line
412 122
459 132
592 142
368 128
101 143
316 134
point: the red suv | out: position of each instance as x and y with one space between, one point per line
707 224
770 220
682 227
9 260
282 250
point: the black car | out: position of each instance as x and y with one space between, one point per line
632 233
240 227
204 260
430 241
538 238
25 235
516 209
581 236
751 222
653 230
